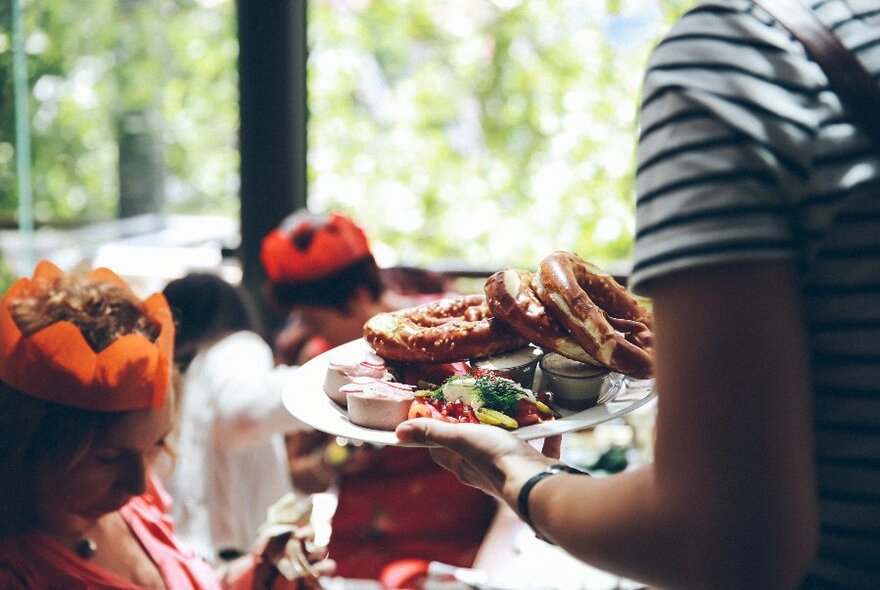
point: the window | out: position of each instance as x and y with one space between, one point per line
480 132
133 108
459 132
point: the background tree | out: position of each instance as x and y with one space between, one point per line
483 132
152 78
488 132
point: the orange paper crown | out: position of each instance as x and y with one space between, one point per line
334 246
56 364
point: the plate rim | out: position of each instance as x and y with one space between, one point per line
326 416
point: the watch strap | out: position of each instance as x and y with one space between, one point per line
522 500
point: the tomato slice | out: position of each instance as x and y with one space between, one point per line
527 413
419 409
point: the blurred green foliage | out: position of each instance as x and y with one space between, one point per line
7 277
483 132
91 62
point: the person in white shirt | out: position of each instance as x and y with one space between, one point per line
231 462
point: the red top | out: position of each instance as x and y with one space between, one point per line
405 506
38 561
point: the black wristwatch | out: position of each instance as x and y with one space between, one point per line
522 500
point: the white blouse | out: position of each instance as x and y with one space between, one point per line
231 462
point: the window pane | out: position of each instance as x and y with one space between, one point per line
487 132
133 109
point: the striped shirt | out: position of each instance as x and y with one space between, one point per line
745 154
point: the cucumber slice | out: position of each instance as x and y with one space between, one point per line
495 418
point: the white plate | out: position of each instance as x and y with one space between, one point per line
304 397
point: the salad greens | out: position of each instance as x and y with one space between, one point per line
495 393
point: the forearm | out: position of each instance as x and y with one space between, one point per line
630 525
610 522
730 498
237 574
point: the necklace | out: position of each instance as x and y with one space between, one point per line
83 545
86 547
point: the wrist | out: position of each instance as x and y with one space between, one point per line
524 493
237 574
516 471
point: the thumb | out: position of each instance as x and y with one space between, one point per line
418 430
464 439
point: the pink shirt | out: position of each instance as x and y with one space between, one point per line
37 561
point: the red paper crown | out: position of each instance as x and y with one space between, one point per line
56 364
335 245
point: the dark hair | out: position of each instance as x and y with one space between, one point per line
206 308
336 290
38 439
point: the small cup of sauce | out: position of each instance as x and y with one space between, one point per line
518 365
573 385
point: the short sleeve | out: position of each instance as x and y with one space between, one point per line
730 106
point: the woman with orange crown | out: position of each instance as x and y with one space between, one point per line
86 404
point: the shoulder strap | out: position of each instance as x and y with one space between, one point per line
856 87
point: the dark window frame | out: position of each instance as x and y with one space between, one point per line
273 51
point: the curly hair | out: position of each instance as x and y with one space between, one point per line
102 311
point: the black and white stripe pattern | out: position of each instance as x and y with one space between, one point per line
745 153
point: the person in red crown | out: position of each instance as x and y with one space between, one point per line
394 502
323 276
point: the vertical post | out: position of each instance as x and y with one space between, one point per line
26 261
141 164
272 89
138 123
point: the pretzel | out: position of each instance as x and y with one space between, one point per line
598 312
512 299
444 331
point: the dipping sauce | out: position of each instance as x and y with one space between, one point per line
345 366
518 365
574 385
